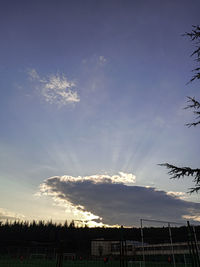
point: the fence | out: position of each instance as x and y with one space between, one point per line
172 242
162 244
17 256
110 253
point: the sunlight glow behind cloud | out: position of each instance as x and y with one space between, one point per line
181 195
78 211
10 215
122 177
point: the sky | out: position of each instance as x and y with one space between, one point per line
92 97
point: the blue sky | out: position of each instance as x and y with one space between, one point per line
95 88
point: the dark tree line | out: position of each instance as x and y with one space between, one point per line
179 172
79 238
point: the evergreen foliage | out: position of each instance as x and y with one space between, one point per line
178 172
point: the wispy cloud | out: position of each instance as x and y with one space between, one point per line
116 200
55 88
102 60
95 61
10 215
33 75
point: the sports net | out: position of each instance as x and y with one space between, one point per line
164 243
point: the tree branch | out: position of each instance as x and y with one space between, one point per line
179 172
195 36
194 104
195 33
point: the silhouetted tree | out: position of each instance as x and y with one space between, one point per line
29 234
180 172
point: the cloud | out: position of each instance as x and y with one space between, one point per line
33 75
9 215
95 61
102 60
116 200
55 88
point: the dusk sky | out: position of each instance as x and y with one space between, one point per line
92 100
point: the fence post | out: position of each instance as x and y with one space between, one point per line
142 236
125 254
191 244
172 248
59 262
196 245
121 248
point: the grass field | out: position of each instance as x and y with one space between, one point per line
82 263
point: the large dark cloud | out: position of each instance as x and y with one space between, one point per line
118 203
